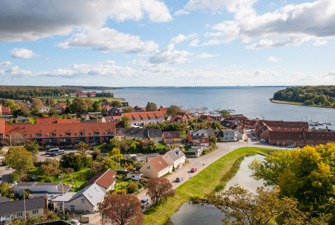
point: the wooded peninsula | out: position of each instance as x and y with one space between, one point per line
323 96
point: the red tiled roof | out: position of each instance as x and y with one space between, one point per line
63 105
69 121
6 110
104 179
58 128
142 116
163 110
82 94
49 120
159 163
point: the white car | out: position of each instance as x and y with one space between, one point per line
75 222
1 177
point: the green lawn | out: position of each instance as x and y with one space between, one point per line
161 146
203 183
94 99
76 179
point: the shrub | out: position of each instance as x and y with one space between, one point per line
15 176
144 182
25 178
132 188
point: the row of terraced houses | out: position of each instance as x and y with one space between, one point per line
288 132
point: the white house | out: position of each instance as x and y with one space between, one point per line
104 179
44 109
34 187
86 200
175 158
156 167
10 210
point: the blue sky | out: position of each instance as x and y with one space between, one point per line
167 43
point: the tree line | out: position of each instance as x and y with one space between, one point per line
29 92
319 95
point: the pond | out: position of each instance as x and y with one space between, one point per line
193 214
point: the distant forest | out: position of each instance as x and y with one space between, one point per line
28 92
318 95
89 87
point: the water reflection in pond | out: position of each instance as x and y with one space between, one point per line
207 214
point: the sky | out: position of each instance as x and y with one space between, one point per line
167 43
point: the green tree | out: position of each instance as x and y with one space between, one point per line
241 207
128 109
36 104
10 104
159 188
308 102
173 110
151 107
50 102
20 159
125 122
109 164
116 103
78 105
67 102
306 174
33 148
225 114
89 102
4 189
97 107
212 141
82 149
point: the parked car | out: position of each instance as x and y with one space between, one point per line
254 138
264 141
194 170
75 222
144 201
52 154
0 177
179 179
290 146
59 152
71 153
52 150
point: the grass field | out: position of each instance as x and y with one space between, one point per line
297 103
203 183
94 99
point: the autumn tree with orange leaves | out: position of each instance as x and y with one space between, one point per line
159 188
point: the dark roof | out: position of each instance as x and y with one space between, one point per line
18 206
58 222
139 132
3 199
170 134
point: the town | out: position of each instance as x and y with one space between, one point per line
63 161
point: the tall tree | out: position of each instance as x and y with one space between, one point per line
241 207
159 188
36 104
121 209
78 105
128 109
97 106
173 110
82 148
20 159
67 102
33 148
116 103
225 114
151 107
125 122
306 174
89 102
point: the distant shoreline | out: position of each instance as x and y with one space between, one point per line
297 103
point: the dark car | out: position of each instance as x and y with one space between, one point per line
144 201
194 170
53 154
179 179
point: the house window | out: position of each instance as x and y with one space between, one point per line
90 133
72 208
53 134
19 214
61 134
96 133
104 133
60 208
68 134
82 134
46 134
75 134
110 133
83 201
32 135
203 140
148 167
35 211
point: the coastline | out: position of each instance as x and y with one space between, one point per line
296 103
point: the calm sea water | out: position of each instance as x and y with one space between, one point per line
250 101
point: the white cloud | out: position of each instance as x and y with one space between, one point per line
206 55
181 38
287 26
181 12
106 40
23 53
29 20
47 58
15 71
274 59
110 61
241 8
169 55
194 43
211 65
5 64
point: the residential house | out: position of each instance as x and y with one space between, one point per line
135 175
60 108
91 94
85 200
156 167
44 109
11 210
112 111
180 117
34 187
105 179
171 138
112 118
61 135
145 157
142 118
163 110
6 111
200 137
139 133
139 109
227 135
54 119
125 104
207 117
175 158
82 95
251 124
0 110
73 95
